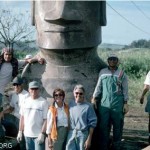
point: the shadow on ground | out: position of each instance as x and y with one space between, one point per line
134 140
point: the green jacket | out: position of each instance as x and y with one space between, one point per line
111 89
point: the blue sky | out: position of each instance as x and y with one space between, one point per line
125 23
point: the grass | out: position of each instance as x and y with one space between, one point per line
136 63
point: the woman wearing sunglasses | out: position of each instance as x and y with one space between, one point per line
57 121
83 120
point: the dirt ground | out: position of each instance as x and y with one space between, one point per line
135 134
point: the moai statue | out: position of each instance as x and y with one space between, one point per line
68 33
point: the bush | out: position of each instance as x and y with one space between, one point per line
133 61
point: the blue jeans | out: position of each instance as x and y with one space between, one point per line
76 140
31 144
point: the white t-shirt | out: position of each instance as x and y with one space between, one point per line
17 100
34 113
147 80
6 74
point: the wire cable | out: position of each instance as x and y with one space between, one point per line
128 20
140 10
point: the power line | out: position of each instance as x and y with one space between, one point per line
128 20
140 10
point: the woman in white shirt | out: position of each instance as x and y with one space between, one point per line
57 121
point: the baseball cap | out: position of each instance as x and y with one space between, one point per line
34 84
17 80
28 56
112 56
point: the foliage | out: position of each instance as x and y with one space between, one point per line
133 61
14 27
136 64
142 43
22 54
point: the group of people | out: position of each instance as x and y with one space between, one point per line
9 67
59 122
67 126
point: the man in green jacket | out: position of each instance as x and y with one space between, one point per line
111 93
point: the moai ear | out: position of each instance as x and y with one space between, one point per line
33 12
102 19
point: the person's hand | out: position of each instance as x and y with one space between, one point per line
50 146
50 142
41 61
125 108
142 99
87 144
93 101
19 136
41 138
1 115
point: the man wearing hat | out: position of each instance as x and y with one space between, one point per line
110 98
9 70
33 119
17 100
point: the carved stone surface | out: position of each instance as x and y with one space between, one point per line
68 33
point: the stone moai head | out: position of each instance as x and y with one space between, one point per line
68 24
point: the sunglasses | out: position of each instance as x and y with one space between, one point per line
34 88
16 84
112 59
56 95
78 93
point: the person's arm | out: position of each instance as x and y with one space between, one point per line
87 144
10 109
48 129
21 129
146 87
43 131
125 93
97 92
38 59
21 123
145 90
92 122
11 106
125 88
41 136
